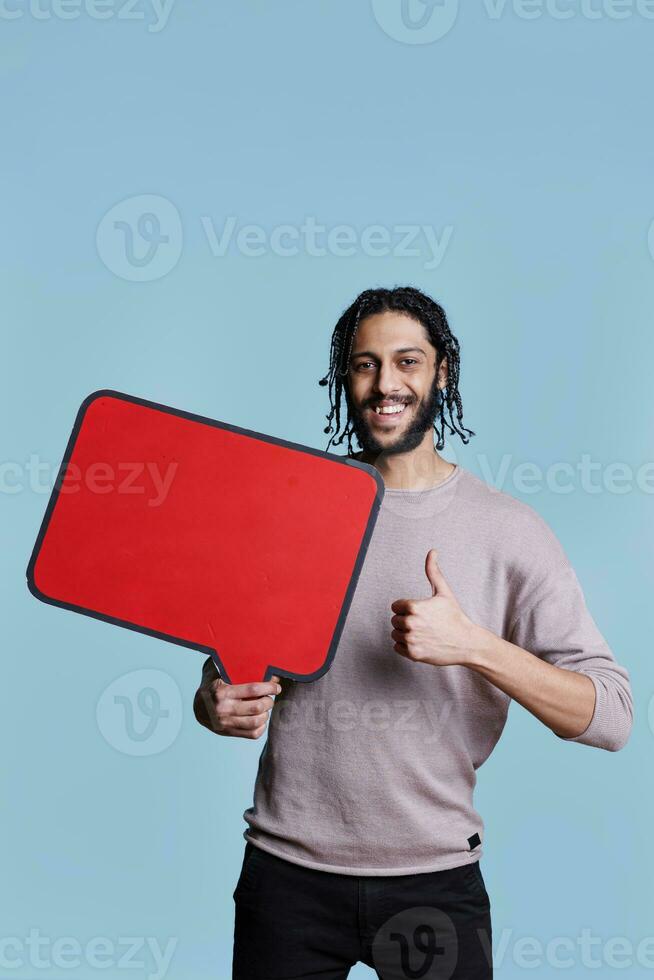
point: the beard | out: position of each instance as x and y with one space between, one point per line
409 438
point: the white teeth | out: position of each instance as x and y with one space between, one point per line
389 409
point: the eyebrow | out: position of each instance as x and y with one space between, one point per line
398 350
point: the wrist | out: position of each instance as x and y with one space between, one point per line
481 648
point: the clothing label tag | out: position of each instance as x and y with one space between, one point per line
474 840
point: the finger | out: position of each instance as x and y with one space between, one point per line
250 706
209 670
238 733
435 575
402 606
244 723
400 623
257 733
255 689
399 637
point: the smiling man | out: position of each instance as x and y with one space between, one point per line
363 843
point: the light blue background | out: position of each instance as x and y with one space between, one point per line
532 140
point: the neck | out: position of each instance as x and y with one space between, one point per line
419 469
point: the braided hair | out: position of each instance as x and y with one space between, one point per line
414 303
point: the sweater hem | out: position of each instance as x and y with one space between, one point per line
445 865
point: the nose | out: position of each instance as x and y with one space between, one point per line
386 381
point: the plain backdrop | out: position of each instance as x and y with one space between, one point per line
134 139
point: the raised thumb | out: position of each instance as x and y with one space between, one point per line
436 578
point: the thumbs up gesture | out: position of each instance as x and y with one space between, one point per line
434 630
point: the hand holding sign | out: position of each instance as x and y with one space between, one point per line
239 710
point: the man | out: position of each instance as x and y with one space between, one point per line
363 843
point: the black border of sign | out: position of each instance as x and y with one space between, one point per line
270 670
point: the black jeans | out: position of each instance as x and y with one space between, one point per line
294 922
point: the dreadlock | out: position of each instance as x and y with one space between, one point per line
402 299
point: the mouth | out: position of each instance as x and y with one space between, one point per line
387 415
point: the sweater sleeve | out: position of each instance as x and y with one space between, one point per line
552 621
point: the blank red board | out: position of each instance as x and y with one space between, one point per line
227 541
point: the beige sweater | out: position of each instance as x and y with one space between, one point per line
371 769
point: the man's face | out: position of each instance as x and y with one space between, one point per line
392 366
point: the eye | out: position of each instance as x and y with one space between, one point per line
405 360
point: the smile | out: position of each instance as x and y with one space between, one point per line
390 409
388 414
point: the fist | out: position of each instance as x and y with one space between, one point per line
434 630
239 710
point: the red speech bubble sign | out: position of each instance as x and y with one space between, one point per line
205 534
